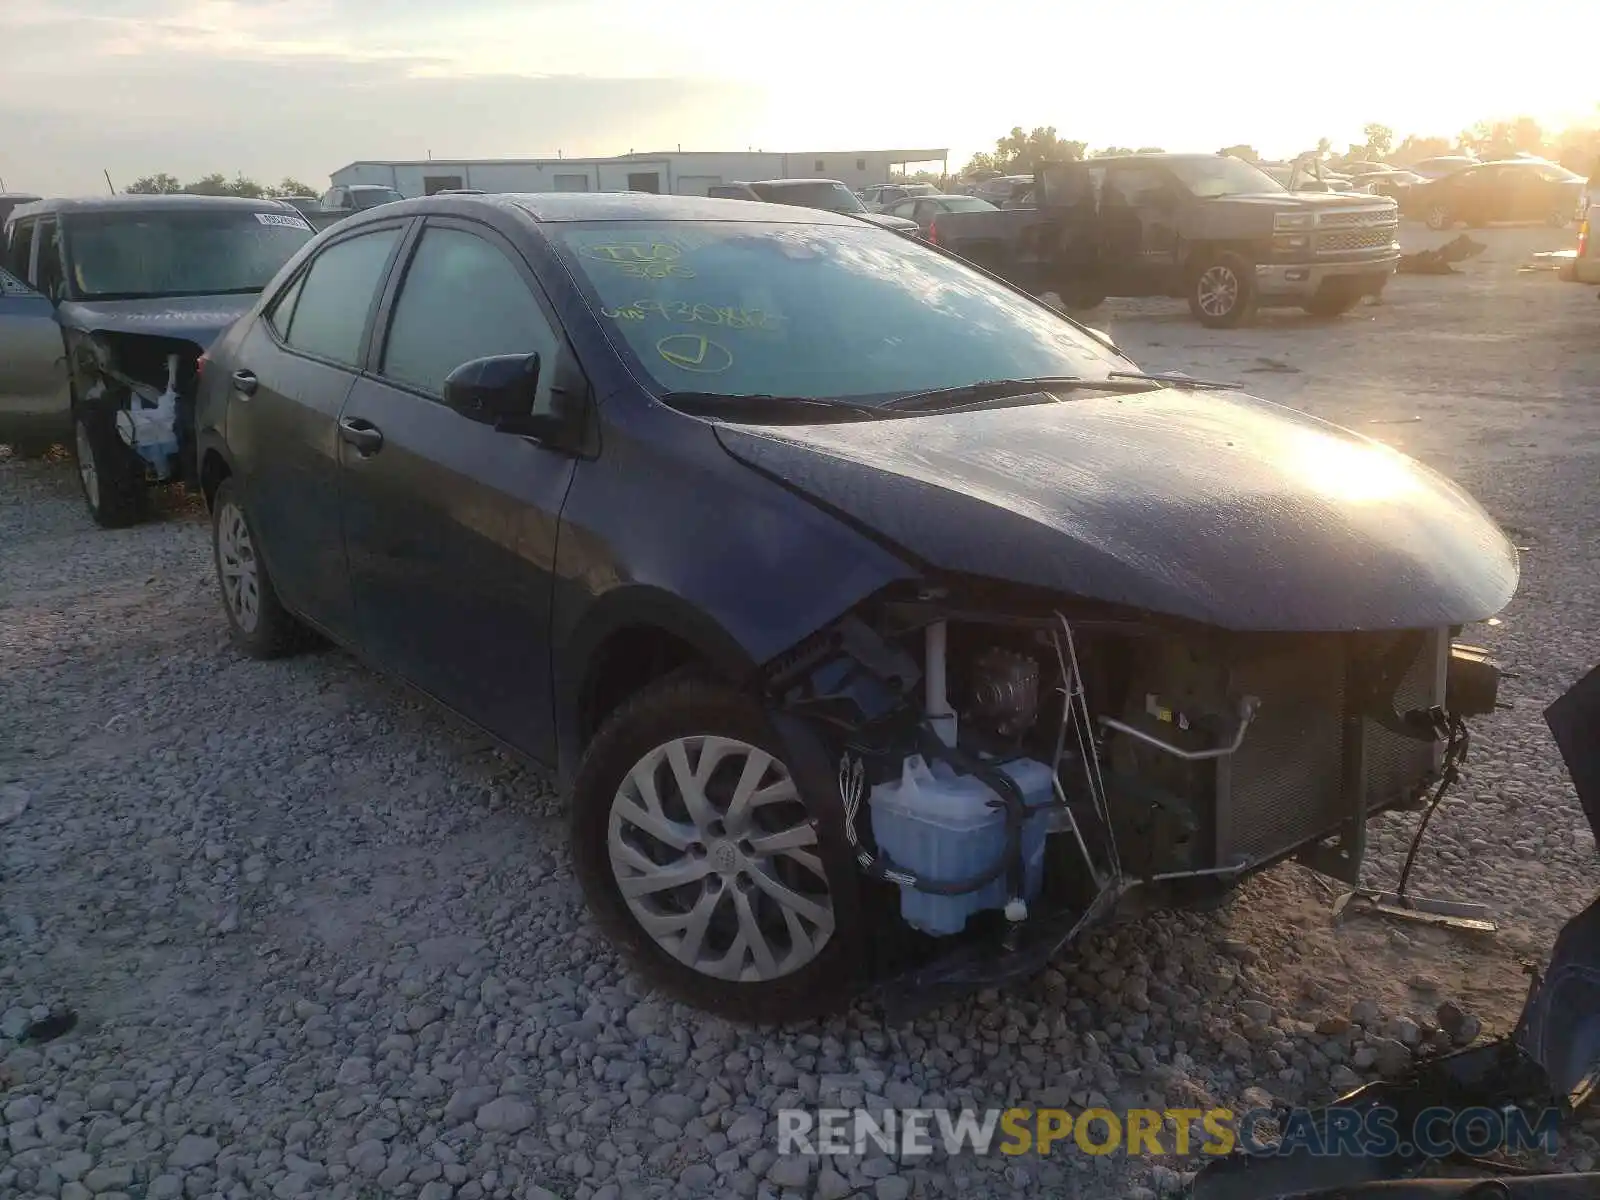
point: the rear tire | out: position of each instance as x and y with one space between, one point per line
1439 217
1222 291
257 621
111 475
656 798
1079 297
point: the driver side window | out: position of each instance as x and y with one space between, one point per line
19 254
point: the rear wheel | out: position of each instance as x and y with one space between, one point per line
111 475
1222 291
1439 217
702 861
1079 297
1559 218
257 621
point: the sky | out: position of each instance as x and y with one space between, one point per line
270 88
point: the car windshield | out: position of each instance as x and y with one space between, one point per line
194 252
1220 175
371 197
852 313
824 194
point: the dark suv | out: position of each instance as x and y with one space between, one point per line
871 609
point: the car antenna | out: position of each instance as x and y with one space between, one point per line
109 186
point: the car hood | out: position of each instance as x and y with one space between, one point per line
1215 506
887 221
1313 201
197 319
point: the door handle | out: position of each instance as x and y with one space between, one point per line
245 382
366 437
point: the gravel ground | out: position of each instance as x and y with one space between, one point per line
323 941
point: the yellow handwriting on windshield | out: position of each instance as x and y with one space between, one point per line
684 312
645 260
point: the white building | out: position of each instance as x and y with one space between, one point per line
679 173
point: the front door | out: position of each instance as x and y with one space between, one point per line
450 526
290 378
33 366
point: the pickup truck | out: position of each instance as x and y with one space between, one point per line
1215 230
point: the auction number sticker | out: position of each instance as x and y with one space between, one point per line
284 219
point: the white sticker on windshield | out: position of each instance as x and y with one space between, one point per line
288 219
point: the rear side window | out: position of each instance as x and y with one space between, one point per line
283 307
462 299
336 297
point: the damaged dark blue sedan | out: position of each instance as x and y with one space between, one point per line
885 624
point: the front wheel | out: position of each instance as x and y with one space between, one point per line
1333 301
1222 291
1439 217
701 860
111 475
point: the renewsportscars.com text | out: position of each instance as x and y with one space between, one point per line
1375 1132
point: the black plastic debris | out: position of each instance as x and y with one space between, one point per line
1439 262
48 1029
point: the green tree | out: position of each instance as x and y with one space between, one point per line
1380 140
1415 148
1247 153
290 186
1151 150
1111 152
160 184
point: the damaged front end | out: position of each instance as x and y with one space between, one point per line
142 387
1014 768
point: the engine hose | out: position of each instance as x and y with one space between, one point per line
852 786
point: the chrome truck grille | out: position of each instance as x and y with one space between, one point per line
1287 785
1343 241
1349 231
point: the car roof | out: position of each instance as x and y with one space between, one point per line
561 207
142 203
787 182
369 187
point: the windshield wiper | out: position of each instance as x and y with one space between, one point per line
763 404
987 391
1176 379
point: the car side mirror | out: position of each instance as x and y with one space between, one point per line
500 391
494 390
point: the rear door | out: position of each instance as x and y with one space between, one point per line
289 378
450 526
1139 224
33 365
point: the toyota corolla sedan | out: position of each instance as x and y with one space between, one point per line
884 624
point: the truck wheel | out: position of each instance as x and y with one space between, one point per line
1078 297
701 861
112 475
1222 291
1333 301
1559 218
1439 217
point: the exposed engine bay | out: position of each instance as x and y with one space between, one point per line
1010 779
144 386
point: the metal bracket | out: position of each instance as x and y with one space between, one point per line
1452 913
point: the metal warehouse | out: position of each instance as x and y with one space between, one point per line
678 172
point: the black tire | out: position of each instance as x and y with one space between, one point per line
691 708
270 631
1333 301
110 474
1224 277
1079 297
1438 217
